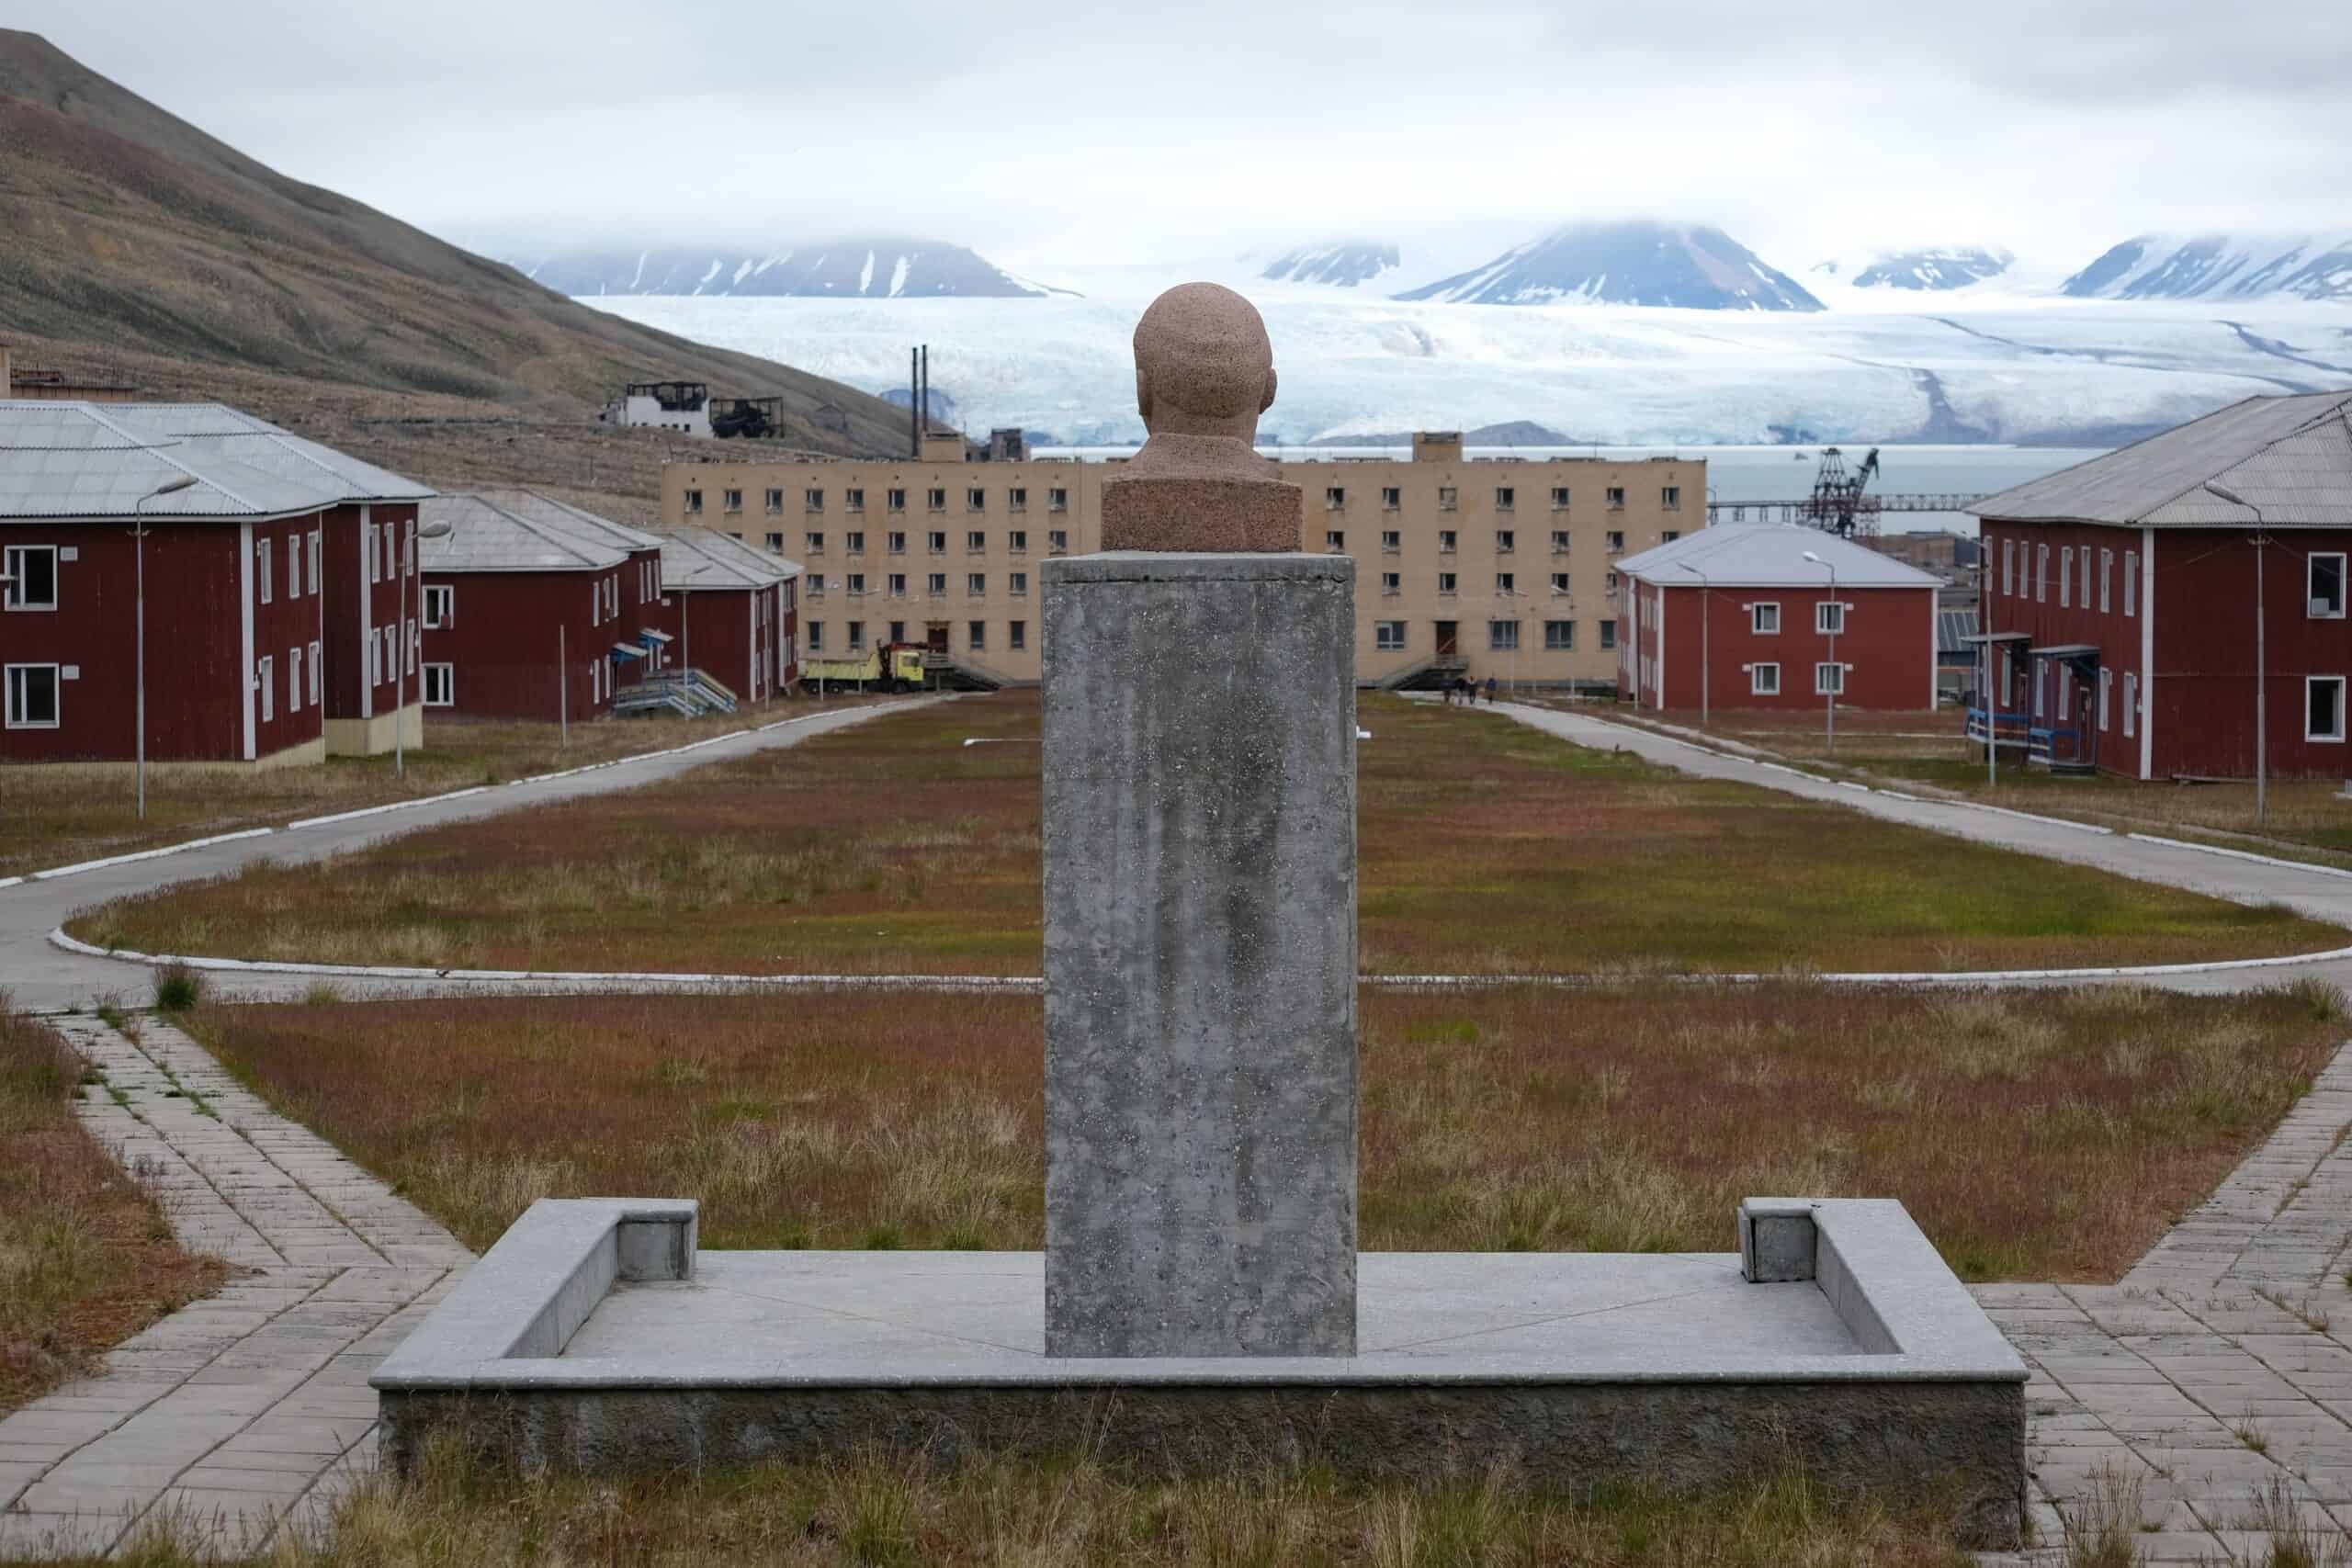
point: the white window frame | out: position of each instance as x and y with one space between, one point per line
438 601
2130 591
2310 683
375 557
1388 637
445 674
318 675
1757 615
1828 679
416 644
1824 611
2106 580
267 681
2040 574
2085 595
2066 576
262 565
2130 703
2343 588
294 565
2106 695
294 679
2041 688
12 565
2008 568
1764 680
13 718
317 557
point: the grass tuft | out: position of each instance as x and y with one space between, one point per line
178 989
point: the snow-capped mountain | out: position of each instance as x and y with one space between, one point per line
873 268
1929 271
1346 264
1688 265
2219 266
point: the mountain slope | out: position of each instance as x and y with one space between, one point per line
842 269
1346 264
2219 266
127 232
1926 271
1692 266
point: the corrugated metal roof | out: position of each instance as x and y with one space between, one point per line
486 536
254 442
1953 629
76 461
563 515
702 559
1770 555
2289 456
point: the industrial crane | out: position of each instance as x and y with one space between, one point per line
1839 505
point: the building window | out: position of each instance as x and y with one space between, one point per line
1505 541
32 570
693 509
1391 541
936 585
1446 541
813 543
1559 541
853 584
1391 584
1505 583
2065 575
2105 579
975 542
856 635
1016 635
812 501
897 499
935 542
2324 707
315 565
1058 540
2008 568
1446 498
1764 620
2041 688
816 636
1503 637
440 685
1612 585
1017 499
1335 497
32 696
854 501
294 565
2086 600
1506 498
1616 498
936 498
1056 498
897 543
976 499
975 585
1335 541
1829 618
1559 498
1608 634
1391 498
2131 702
776 544
1445 583
440 606
1670 497
1559 582
776 501
261 570
2326 573
898 584
1017 585
1017 541
1388 637
815 582
318 671
1560 637
854 541
1764 680
266 680
2130 583
2040 573
2106 692
976 636
1616 541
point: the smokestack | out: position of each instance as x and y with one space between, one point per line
915 402
926 389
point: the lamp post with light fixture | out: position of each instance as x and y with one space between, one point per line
139 553
1837 675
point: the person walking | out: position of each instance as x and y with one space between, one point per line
1490 691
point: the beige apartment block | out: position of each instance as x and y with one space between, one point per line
1478 566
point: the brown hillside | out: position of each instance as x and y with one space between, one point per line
132 238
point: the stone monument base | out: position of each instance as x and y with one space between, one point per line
593 1338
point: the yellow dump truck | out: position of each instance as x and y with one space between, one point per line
889 667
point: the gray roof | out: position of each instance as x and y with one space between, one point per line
1953 629
257 444
2289 456
699 559
569 518
1770 555
84 462
485 536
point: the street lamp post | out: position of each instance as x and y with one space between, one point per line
400 633
139 554
2261 671
1837 676
1985 686
1705 596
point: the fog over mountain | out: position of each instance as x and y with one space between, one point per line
1688 267
2218 266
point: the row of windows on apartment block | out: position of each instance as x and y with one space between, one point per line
1764 679
2323 699
1016 498
1388 637
1335 540
33 571
2024 576
816 585
36 693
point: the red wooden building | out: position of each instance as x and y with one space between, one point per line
2122 597
733 612
369 625
1773 615
530 606
236 604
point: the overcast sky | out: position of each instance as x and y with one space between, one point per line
1050 136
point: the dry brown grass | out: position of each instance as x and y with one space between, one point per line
1075 1514
1485 848
2033 1135
57 815
86 1259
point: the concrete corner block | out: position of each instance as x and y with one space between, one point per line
1776 1240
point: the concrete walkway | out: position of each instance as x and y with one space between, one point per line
42 978
240 1413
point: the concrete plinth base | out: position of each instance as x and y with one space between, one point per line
594 1340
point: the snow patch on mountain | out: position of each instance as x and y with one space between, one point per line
1673 266
1939 269
1345 264
2220 267
858 268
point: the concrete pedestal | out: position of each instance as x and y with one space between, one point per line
1200 955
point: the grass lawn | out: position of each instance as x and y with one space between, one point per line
57 815
2305 819
86 1259
1485 848
1075 1514
2033 1135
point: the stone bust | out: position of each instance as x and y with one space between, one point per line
1205 371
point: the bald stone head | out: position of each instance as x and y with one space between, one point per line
1203 364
